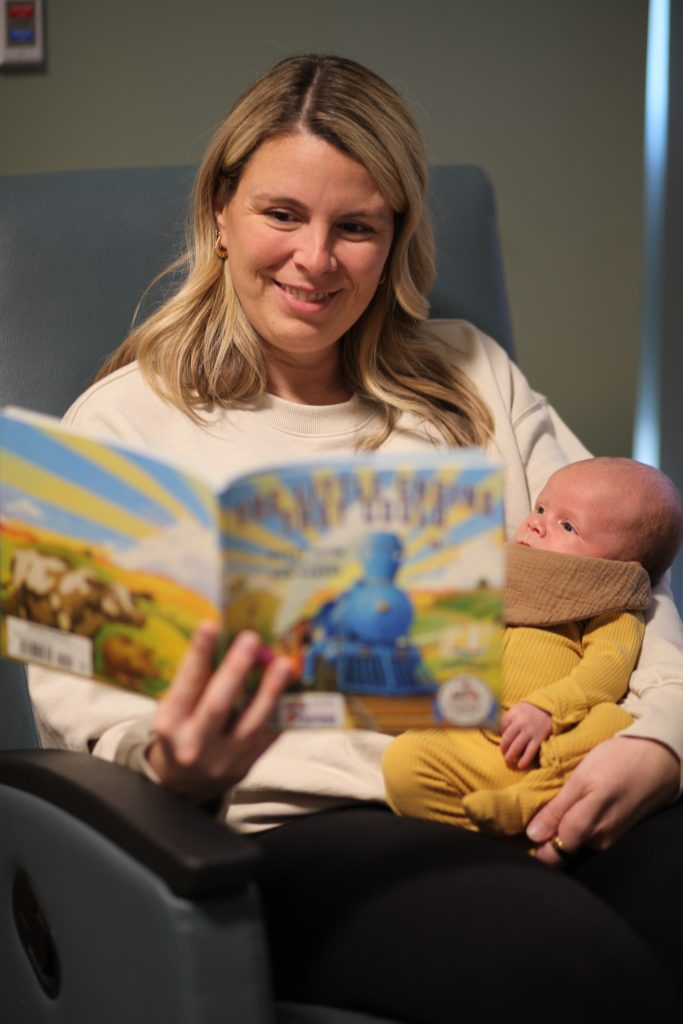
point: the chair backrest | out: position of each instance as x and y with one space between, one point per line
469 283
80 248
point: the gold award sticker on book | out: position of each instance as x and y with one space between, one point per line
465 700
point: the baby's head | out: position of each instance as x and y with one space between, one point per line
608 508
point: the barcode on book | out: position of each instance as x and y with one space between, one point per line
66 652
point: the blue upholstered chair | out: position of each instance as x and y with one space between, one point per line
121 901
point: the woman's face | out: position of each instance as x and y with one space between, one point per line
308 233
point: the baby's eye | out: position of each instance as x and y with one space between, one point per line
568 527
540 510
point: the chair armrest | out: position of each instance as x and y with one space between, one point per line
193 854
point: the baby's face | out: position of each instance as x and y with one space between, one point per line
578 512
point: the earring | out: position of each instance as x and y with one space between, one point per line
219 248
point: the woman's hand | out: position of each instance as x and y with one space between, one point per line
618 782
203 746
524 727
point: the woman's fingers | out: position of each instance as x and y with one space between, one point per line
223 695
574 816
205 741
617 783
190 681
258 712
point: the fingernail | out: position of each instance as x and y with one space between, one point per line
538 832
284 665
264 655
249 639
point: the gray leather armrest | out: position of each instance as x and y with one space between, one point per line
194 855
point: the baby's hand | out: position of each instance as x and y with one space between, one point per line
524 727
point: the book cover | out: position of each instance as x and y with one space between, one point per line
380 576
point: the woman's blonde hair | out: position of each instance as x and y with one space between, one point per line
199 349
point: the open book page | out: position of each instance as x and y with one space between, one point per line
109 560
381 577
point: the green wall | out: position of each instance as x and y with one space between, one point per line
547 95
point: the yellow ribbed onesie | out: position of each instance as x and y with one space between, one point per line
575 671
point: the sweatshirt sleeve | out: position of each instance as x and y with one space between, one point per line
610 644
77 714
655 697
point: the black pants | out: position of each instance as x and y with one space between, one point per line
426 923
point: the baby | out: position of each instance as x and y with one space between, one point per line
578 582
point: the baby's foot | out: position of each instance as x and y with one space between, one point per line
502 811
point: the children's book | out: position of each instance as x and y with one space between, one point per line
380 576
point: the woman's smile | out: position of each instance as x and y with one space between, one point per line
306 296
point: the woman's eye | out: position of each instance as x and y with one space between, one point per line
281 216
354 228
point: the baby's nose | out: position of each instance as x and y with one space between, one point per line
536 524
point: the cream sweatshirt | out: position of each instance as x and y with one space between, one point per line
308 771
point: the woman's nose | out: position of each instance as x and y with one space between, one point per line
315 252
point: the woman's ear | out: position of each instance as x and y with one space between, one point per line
219 212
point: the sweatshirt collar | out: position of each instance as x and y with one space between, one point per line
306 420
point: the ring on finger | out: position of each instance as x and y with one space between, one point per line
559 847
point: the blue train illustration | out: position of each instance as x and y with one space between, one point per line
362 634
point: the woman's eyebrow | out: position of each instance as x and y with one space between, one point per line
267 197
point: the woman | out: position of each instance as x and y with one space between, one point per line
300 329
